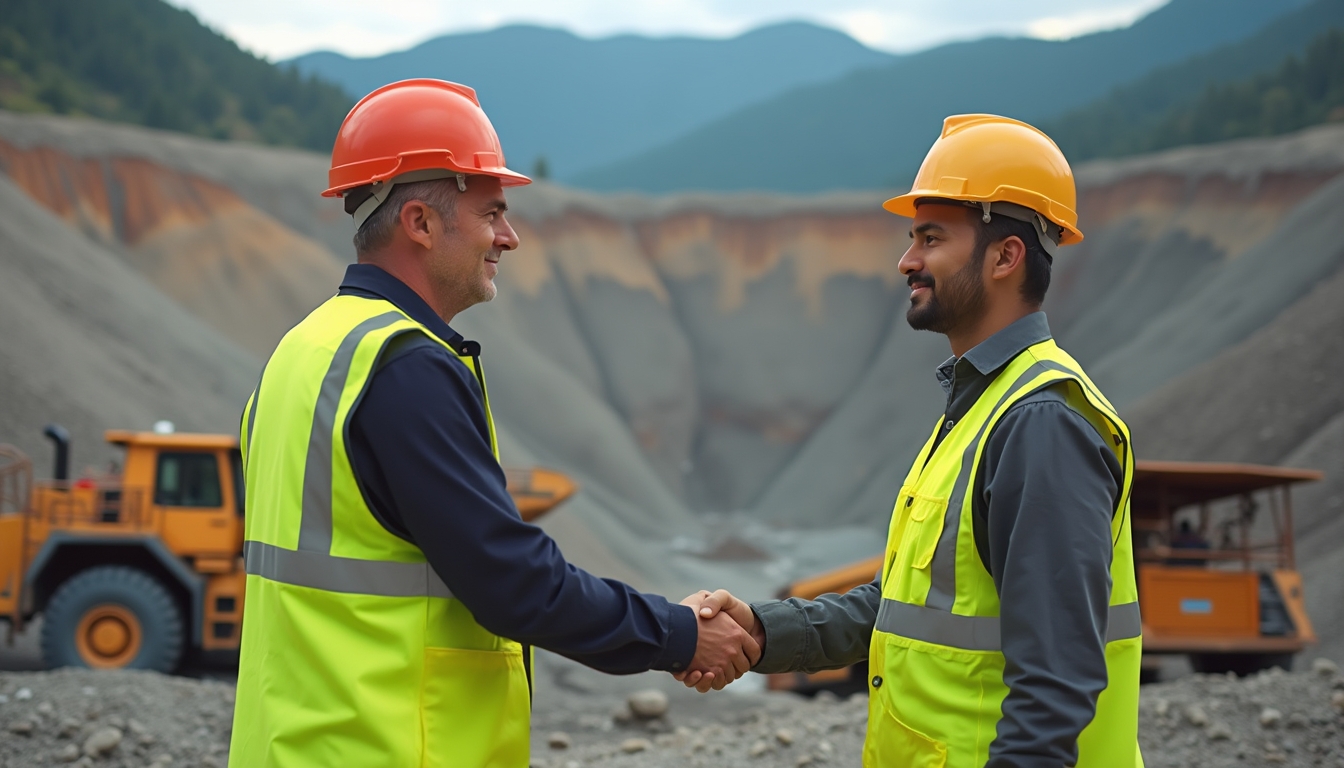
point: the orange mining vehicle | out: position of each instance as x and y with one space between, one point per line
132 569
1217 579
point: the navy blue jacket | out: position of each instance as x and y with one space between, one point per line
420 448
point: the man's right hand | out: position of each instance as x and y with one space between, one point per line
724 651
713 609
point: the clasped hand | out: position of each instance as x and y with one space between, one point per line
729 641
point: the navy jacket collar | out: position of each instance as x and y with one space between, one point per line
373 282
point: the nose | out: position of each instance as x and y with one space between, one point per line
910 262
506 239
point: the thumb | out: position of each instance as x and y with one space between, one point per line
720 600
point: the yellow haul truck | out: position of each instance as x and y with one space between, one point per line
133 568
1213 546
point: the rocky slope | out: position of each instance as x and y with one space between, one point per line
726 375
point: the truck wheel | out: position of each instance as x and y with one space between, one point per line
1242 664
112 617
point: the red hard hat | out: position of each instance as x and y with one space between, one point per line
416 125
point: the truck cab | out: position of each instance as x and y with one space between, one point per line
128 568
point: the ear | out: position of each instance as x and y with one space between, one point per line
1006 257
414 220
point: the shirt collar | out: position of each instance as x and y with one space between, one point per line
992 353
372 281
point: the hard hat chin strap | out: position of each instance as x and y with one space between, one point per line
379 191
1047 231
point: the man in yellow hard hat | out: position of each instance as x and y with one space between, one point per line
1004 627
393 591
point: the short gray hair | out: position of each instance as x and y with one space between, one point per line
439 194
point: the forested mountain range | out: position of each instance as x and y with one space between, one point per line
1183 102
147 62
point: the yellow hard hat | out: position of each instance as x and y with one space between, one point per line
1003 166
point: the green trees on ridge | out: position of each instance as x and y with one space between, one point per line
146 62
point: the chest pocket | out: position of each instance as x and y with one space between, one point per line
921 527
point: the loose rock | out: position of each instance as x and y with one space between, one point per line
784 736
759 748
558 740
1270 717
21 727
648 704
1219 732
67 754
102 741
1196 716
631 746
1324 667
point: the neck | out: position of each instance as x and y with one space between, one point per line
994 319
417 281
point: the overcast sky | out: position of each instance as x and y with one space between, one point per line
280 30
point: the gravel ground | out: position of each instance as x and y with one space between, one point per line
114 719
139 719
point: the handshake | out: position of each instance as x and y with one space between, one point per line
729 643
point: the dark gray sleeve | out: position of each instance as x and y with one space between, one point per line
1050 485
830 632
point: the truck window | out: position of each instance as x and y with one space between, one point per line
188 480
236 459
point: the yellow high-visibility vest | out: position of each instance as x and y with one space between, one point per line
936 665
354 652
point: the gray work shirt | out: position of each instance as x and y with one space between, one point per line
1041 508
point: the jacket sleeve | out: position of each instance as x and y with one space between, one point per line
1050 488
830 632
421 453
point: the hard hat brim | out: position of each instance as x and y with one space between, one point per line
905 205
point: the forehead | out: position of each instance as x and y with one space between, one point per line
949 216
484 186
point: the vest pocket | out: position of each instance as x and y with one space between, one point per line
475 709
923 529
893 743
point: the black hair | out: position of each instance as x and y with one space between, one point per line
1036 279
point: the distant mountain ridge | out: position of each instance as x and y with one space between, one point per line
870 129
583 103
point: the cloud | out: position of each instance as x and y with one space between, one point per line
281 30
1072 25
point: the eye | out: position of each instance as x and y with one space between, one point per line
929 240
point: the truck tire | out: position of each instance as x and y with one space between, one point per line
112 617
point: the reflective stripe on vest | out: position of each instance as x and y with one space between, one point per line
980 633
342 574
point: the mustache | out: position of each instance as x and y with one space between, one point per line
920 280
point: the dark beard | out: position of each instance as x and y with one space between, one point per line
960 302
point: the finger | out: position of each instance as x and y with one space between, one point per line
681 676
711 604
706 683
692 678
695 598
740 663
752 649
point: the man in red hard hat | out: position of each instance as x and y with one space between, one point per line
393 592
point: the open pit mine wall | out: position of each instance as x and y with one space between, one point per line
742 353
